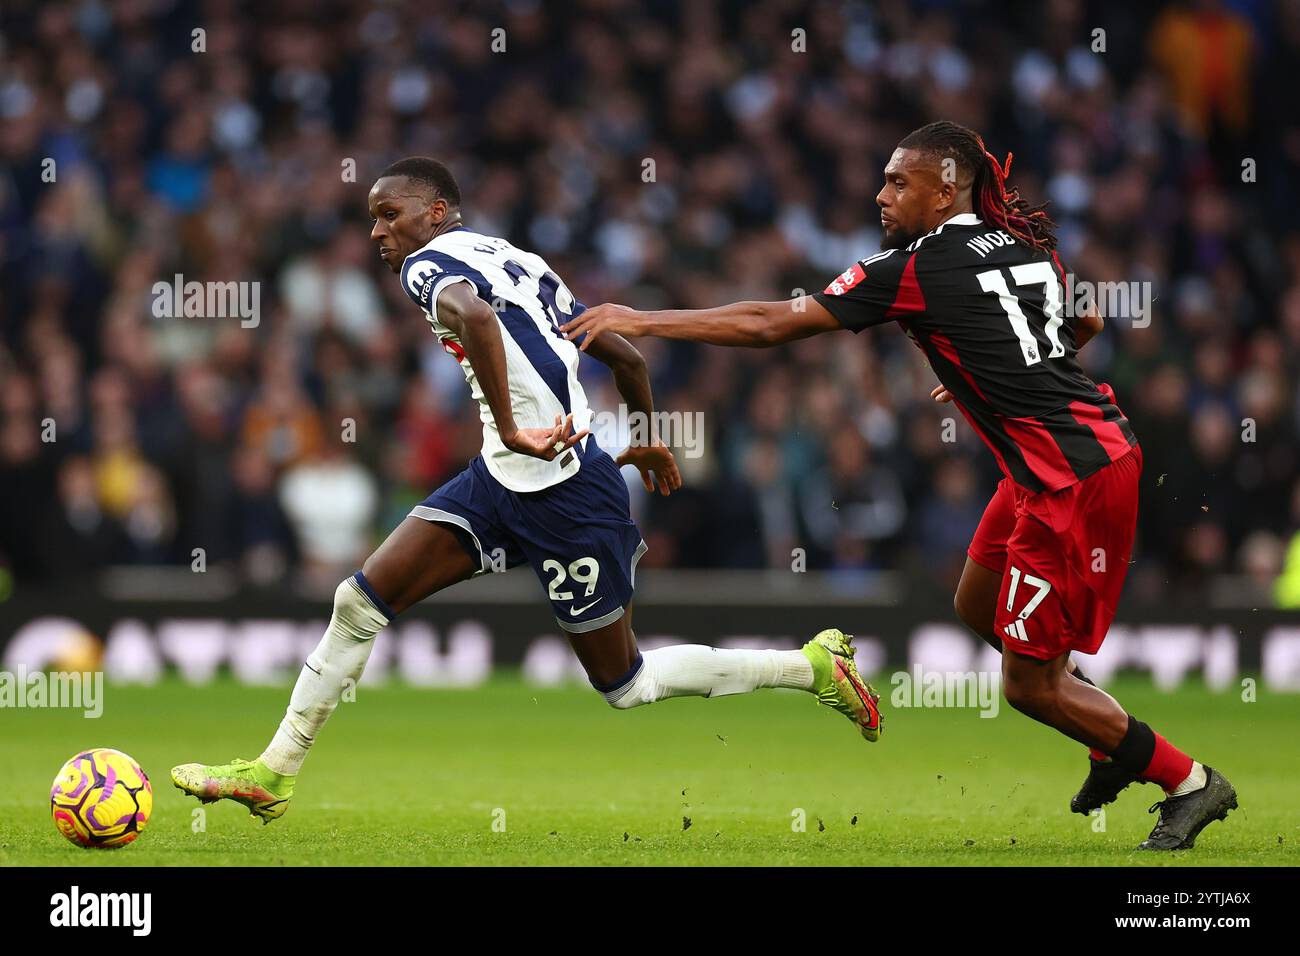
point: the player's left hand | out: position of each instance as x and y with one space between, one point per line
941 394
545 443
603 318
656 464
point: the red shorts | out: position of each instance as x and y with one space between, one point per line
1063 556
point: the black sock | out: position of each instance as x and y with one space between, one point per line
1135 751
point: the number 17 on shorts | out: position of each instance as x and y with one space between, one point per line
1030 615
1030 590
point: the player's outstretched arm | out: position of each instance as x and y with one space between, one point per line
650 455
745 324
475 324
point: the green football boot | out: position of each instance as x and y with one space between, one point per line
264 792
837 683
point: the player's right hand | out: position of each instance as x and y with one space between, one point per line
941 394
545 443
602 318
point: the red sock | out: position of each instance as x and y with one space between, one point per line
1097 755
1169 766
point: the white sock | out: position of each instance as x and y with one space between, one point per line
340 656
693 670
1195 780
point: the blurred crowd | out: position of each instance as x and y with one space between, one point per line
655 153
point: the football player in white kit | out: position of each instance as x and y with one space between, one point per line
541 491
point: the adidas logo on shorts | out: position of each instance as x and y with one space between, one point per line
1016 629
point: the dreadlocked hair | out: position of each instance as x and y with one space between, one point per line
994 200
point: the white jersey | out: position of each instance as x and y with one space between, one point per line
531 303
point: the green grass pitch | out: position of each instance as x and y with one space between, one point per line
405 776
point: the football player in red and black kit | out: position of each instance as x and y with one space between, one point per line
970 273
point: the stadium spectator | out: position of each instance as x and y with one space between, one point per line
657 154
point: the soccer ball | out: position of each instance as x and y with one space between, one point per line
101 798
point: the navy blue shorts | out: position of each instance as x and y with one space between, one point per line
578 536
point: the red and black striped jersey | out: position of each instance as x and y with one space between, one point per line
990 315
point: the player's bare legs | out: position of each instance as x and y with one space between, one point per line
1123 750
627 678
975 599
1197 795
608 653
975 603
1045 691
417 559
